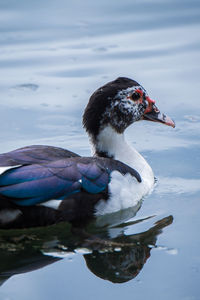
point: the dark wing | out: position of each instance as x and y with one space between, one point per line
34 155
33 184
116 165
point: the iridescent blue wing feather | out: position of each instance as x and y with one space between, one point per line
37 183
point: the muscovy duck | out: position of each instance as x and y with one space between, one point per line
43 185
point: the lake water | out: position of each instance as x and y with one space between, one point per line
53 55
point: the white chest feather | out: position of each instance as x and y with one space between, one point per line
125 191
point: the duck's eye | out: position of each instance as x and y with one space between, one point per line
135 96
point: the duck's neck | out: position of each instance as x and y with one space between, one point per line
112 144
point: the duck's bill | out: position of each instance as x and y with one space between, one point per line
156 116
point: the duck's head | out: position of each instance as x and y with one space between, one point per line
118 104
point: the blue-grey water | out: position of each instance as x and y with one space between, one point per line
53 55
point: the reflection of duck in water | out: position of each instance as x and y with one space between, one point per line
117 260
42 185
125 262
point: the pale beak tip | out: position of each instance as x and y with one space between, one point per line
170 122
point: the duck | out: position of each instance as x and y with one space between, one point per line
43 185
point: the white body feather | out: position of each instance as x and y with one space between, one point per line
125 191
4 169
9 215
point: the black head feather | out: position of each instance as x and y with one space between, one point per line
101 100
